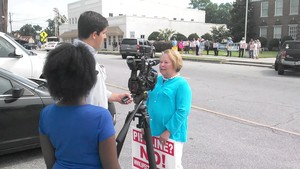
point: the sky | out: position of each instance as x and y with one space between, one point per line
36 12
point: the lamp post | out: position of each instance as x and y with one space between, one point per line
246 18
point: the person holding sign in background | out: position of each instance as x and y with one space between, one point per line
169 103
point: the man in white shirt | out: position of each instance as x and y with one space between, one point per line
92 28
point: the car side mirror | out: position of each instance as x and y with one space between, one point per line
18 53
16 93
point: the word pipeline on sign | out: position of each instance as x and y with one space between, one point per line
164 155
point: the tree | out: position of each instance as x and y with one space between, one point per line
179 37
199 4
237 23
164 34
193 36
51 27
220 33
29 30
223 13
154 36
207 36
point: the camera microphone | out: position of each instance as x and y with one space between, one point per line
154 62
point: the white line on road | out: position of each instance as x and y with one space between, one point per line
230 116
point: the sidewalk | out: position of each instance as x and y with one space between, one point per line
261 62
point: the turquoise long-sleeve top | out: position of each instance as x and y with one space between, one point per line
169 105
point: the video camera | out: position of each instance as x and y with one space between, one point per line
143 77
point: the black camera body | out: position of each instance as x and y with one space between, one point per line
143 77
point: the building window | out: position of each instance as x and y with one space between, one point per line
263 31
174 19
120 14
192 19
109 40
264 9
76 20
182 19
110 14
293 30
277 32
132 34
278 7
294 4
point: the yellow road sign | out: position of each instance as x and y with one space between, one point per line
43 35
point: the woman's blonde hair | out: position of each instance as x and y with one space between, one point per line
175 58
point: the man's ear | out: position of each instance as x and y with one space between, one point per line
93 35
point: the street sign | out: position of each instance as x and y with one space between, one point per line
43 35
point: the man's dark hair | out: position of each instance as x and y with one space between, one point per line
90 22
70 72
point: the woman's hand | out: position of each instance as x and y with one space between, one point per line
163 138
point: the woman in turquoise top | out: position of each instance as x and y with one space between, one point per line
169 103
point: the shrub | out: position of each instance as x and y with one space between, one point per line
154 36
162 45
263 41
273 44
193 36
179 37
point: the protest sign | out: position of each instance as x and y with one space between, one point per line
164 155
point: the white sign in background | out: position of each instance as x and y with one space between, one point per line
164 155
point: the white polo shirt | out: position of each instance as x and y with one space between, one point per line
99 94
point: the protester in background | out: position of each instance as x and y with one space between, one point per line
186 45
92 28
174 44
229 46
242 47
207 46
201 46
180 46
251 48
74 134
169 103
215 47
197 42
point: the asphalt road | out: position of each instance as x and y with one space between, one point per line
242 117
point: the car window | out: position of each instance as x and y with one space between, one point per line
129 41
5 86
292 45
5 48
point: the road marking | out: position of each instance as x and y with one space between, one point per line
246 121
229 116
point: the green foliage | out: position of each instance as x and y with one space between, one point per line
273 44
51 27
199 4
29 30
237 23
220 33
164 34
207 36
193 36
263 41
179 36
154 36
162 45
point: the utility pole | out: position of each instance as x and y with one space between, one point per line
3 16
10 22
56 22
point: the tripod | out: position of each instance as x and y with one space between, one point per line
141 113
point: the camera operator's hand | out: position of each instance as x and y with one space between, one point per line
119 97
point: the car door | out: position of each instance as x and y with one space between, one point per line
19 117
9 61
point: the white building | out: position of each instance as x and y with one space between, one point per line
134 18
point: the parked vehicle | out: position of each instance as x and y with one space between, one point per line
137 48
50 45
21 101
17 59
29 46
288 56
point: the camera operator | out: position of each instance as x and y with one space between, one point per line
92 28
169 103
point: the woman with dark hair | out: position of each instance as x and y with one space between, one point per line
75 134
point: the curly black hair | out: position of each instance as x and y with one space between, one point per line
70 72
